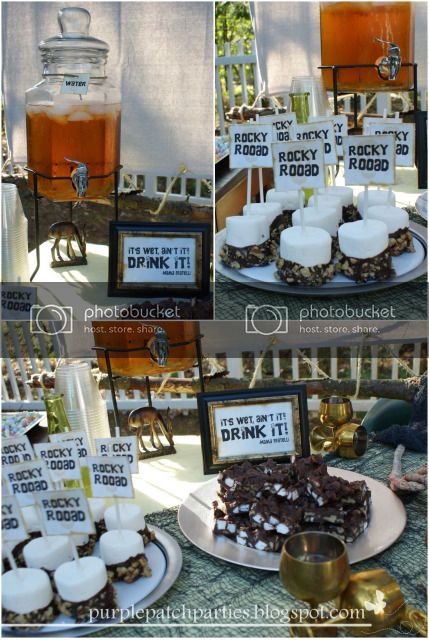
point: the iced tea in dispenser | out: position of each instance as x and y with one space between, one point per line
350 34
73 114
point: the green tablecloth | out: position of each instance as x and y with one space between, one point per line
409 300
209 584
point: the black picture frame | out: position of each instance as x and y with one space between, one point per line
293 394
119 230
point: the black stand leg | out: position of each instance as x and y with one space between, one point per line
148 392
335 89
355 111
117 194
113 394
36 226
200 364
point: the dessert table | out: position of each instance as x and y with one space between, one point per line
208 584
232 298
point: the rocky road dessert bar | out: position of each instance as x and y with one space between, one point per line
259 506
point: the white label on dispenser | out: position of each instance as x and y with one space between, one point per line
110 476
12 522
369 159
25 479
250 146
78 83
62 459
404 140
125 446
79 438
65 511
340 128
323 131
298 165
16 450
282 125
369 120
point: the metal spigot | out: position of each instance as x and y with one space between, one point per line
79 177
159 348
388 66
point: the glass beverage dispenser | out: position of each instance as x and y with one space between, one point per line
355 33
73 114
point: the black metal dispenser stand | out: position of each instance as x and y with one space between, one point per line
36 198
160 450
420 118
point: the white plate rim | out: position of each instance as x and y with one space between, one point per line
418 231
229 551
174 560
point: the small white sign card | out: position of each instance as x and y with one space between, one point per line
282 125
340 128
323 131
79 438
25 479
299 165
404 139
110 476
254 428
369 120
123 446
15 450
12 522
369 160
61 458
250 146
65 512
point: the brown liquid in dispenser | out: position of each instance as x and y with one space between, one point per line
347 32
87 133
129 334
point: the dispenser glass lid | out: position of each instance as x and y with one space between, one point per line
74 24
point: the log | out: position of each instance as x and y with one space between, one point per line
394 389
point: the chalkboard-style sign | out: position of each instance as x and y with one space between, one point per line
152 260
253 424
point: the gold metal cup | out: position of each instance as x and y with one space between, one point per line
379 596
335 411
351 440
314 567
322 439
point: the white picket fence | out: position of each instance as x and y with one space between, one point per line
237 67
151 189
25 354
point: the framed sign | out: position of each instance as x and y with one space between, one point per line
253 424
150 259
340 128
404 137
323 131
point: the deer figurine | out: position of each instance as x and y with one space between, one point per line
67 231
151 417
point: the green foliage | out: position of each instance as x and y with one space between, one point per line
233 23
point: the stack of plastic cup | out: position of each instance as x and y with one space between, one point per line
14 255
84 405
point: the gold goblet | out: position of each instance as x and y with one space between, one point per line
314 567
322 439
335 411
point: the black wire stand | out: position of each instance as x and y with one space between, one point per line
36 197
337 67
106 351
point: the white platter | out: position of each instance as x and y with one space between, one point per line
408 266
196 522
165 560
